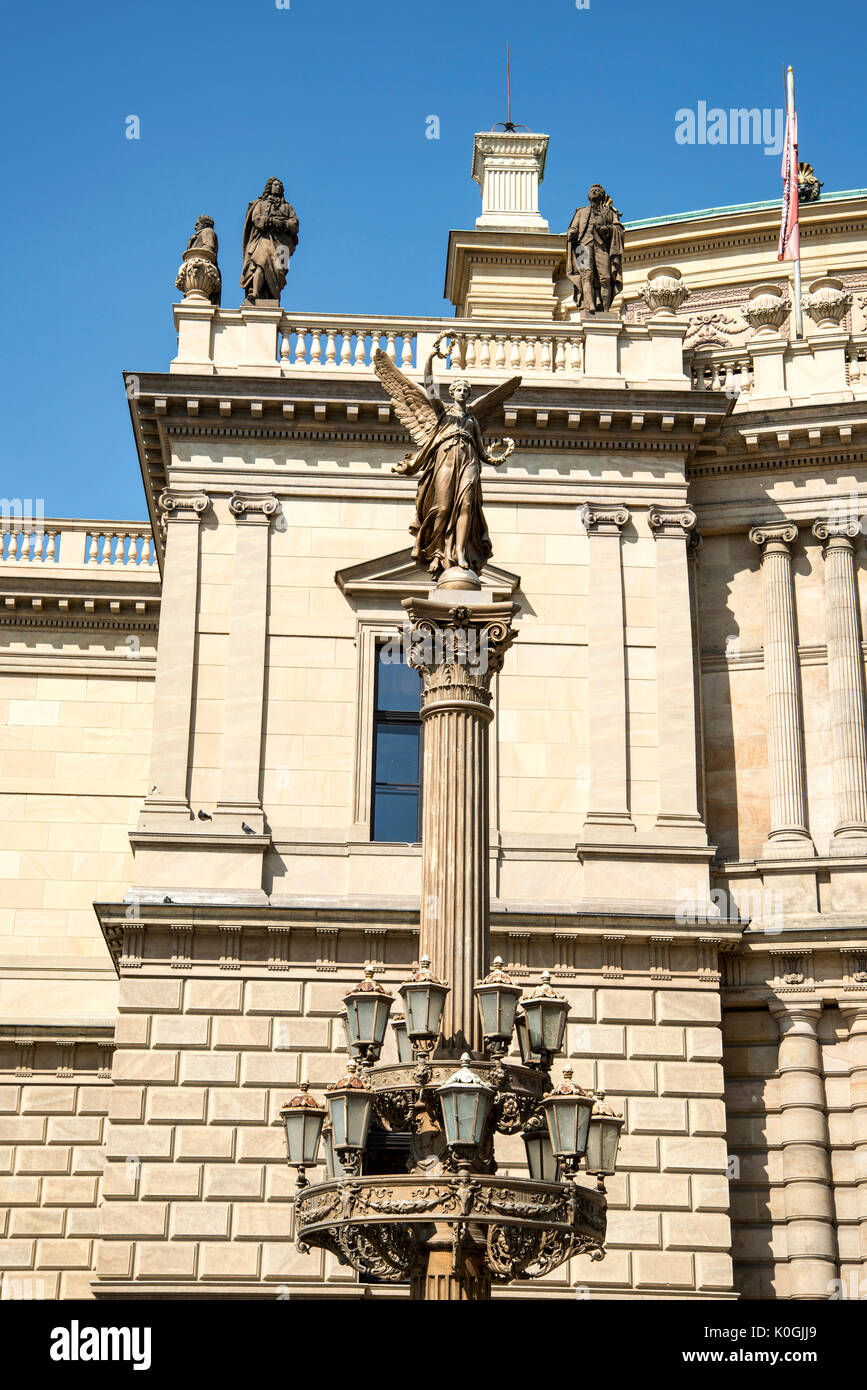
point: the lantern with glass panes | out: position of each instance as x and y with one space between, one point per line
567 1110
544 1017
465 1100
350 1105
497 999
303 1118
423 998
603 1140
366 1009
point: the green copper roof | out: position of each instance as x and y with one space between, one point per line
738 207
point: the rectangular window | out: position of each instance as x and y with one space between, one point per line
397 750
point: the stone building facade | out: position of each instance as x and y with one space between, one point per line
192 856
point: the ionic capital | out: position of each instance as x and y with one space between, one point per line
253 506
836 533
674 522
183 506
600 520
775 538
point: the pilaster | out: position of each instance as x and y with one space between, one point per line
608 802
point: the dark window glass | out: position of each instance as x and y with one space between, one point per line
397 744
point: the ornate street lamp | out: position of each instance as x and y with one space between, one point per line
543 1166
546 1013
466 1102
603 1139
303 1118
567 1111
497 999
350 1104
333 1167
522 1031
367 1009
401 1037
423 996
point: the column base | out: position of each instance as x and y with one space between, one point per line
684 828
232 816
164 814
604 825
849 841
789 844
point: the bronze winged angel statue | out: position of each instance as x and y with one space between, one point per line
449 529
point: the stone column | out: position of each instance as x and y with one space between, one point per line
675 677
788 836
457 649
855 1018
608 799
239 798
812 1246
167 801
845 683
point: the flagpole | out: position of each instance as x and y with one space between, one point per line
790 122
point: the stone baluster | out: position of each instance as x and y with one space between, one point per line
675 676
530 359
346 348
390 350
845 683
485 358
560 355
545 363
500 357
809 1200
855 1018
608 801
575 354
406 349
167 803
331 347
788 836
285 348
458 650
315 347
301 347
515 352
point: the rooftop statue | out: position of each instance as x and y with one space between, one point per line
449 530
594 252
199 275
270 238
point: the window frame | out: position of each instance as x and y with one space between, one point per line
391 719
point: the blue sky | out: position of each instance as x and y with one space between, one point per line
332 96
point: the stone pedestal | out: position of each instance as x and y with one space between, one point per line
845 684
809 1197
457 648
788 836
601 350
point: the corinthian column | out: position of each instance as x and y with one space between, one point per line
457 650
242 737
608 798
855 1017
788 836
845 683
166 803
811 1243
675 677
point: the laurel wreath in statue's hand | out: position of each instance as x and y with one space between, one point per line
437 350
507 446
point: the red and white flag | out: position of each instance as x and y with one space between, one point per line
789 248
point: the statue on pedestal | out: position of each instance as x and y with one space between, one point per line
449 530
270 238
199 275
594 252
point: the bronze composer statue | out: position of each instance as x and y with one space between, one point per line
270 238
594 252
450 533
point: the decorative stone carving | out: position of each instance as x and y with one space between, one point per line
199 274
594 252
449 530
766 309
253 505
671 521
189 505
664 290
809 187
269 242
604 520
456 653
827 302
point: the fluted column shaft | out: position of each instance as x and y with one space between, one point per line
811 1241
457 650
173 693
788 834
855 1017
845 677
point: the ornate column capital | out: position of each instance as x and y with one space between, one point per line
183 506
675 522
836 532
253 506
457 651
601 520
777 537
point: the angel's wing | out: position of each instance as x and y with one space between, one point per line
485 406
413 408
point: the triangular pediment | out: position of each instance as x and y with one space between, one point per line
400 576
